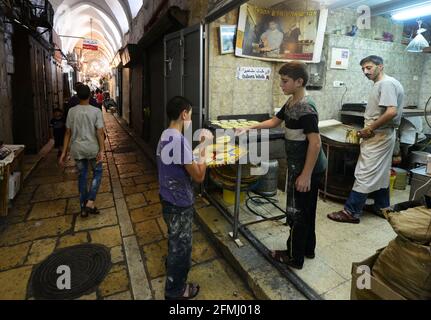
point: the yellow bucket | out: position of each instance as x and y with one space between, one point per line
229 196
392 183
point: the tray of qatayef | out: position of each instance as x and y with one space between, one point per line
233 124
221 154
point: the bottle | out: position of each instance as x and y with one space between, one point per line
429 164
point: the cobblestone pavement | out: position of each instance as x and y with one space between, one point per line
45 218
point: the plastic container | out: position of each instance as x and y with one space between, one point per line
229 196
401 180
429 164
392 180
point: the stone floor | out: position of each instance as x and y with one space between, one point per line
338 245
45 218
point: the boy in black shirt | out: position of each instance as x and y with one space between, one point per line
306 164
58 129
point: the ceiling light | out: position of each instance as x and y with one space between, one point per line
413 12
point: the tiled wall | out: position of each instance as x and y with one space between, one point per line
400 64
227 94
425 92
231 96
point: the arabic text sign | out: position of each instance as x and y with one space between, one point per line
253 73
90 44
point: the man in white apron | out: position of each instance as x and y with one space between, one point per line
382 116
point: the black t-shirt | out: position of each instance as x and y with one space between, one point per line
301 119
59 125
59 130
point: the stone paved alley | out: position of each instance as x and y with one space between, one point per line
45 218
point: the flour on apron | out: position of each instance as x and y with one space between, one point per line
375 161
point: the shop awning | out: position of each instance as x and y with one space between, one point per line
223 7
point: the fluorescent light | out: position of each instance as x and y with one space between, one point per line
411 13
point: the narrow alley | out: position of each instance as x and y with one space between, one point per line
45 218
225 150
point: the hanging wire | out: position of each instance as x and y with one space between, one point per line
427 112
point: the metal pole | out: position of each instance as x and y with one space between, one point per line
326 174
237 202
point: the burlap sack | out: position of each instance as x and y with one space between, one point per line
413 224
405 267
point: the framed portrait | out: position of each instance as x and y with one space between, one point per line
281 35
227 38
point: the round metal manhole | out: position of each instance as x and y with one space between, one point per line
71 272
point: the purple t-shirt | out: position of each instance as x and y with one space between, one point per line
173 152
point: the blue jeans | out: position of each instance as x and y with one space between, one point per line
85 194
180 237
356 201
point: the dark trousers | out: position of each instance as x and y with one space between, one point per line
302 239
179 260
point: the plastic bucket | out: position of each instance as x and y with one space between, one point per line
229 196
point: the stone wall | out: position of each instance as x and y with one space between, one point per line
6 67
227 95
425 92
231 96
404 66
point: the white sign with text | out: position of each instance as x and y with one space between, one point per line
253 73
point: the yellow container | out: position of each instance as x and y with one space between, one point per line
393 178
229 196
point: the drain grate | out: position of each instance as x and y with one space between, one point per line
89 264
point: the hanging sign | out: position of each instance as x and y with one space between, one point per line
90 45
253 73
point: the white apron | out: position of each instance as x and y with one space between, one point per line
375 161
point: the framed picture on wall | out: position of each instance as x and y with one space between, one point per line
227 38
281 35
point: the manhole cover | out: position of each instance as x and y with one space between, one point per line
71 272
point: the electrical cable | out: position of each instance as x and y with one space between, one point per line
426 112
344 95
414 196
260 199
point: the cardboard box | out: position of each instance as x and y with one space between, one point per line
14 184
378 291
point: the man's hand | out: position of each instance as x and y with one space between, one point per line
241 131
303 183
62 160
99 157
366 133
205 135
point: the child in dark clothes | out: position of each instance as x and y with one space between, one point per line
58 129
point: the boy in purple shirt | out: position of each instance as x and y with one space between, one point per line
177 170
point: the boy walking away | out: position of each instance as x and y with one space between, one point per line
85 136
176 170
58 130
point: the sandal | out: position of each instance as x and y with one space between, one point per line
282 256
344 217
191 290
84 213
92 210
